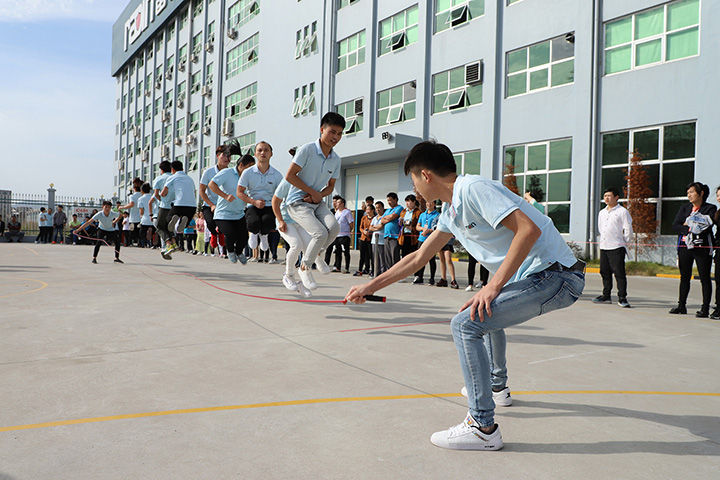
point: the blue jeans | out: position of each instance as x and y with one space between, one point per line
517 302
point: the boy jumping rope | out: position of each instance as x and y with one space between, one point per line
535 272
312 174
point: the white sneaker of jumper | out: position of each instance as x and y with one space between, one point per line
303 291
501 398
289 282
468 436
322 267
307 279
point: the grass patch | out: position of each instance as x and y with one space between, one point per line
644 269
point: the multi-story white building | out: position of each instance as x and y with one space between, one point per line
558 90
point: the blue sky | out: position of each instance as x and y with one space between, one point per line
57 98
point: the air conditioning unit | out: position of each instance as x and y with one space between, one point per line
190 139
158 84
228 127
194 58
146 154
178 141
206 91
206 130
165 115
164 151
181 65
209 47
148 92
181 101
473 73
231 33
136 131
358 107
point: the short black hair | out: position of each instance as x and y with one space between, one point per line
432 156
164 166
246 160
107 202
613 190
145 188
177 165
413 198
370 199
336 197
392 195
700 189
379 204
341 199
333 119
266 143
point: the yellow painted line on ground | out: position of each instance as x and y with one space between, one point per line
331 400
33 251
42 286
667 275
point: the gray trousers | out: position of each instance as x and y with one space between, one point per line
318 221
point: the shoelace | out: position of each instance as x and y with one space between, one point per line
459 429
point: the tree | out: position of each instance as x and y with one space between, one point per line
509 178
637 190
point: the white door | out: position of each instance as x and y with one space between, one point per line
374 180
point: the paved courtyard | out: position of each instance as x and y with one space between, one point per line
140 371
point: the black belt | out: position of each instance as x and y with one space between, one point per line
579 266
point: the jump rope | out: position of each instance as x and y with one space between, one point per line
369 298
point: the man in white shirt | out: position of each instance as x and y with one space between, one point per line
181 188
615 229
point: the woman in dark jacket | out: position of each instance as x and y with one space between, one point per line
693 223
716 314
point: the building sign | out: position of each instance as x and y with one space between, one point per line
141 18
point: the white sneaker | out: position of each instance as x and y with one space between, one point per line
253 260
469 288
173 223
307 279
290 282
501 398
468 436
322 267
273 261
303 291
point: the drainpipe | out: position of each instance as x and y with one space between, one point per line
595 95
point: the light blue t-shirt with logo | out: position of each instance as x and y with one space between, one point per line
106 221
478 207
227 180
208 175
428 220
144 203
317 170
135 210
392 229
258 185
182 188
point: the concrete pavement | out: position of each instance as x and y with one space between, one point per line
138 371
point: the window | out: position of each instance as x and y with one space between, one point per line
181 94
195 82
306 40
124 101
668 154
661 34
345 3
545 170
351 51
457 88
242 12
451 13
209 74
148 112
194 121
510 2
207 157
182 57
140 62
396 104
171 32
197 45
304 100
169 99
399 30
208 115
183 19
544 65
131 97
468 163
247 143
156 109
167 133
180 128
192 161
156 138
139 88
242 57
150 53
242 103
197 8
352 112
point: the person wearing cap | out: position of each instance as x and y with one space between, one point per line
230 210
256 187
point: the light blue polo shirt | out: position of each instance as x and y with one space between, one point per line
182 188
159 184
208 175
106 222
478 207
428 220
317 170
258 185
144 203
227 179
392 229
44 220
135 211
282 192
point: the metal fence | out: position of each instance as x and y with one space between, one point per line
26 207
